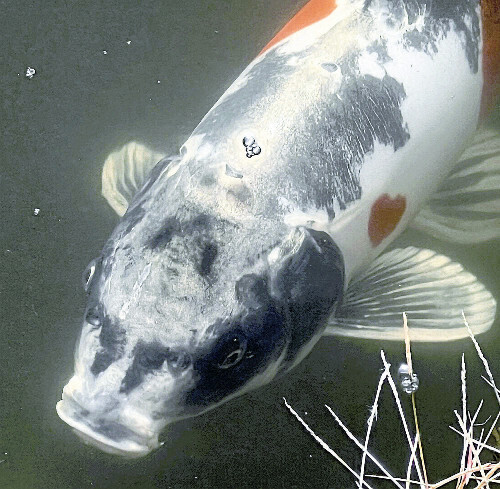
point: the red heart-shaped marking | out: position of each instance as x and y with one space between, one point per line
385 216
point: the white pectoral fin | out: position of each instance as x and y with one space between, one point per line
431 288
124 172
466 209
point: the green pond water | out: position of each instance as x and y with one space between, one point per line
56 130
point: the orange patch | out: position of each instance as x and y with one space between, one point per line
385 216
312 12
490 10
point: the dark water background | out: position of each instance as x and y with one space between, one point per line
57 129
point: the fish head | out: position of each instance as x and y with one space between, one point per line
188 311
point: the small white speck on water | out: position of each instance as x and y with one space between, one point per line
36 211
104 52
129 42
158 81
216 32
310 456
305 412
30 72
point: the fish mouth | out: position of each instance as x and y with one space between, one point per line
107 435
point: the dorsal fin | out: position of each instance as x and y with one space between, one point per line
313 11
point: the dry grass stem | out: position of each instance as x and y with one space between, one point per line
471 468
413 401
371 419
483 358
324 445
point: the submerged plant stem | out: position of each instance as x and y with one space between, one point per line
413 401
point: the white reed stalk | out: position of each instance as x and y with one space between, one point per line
497 391
410 463
477 442
371 419
323 444
493 426
464 413
443 482
399 479
483 358
469 433
359 445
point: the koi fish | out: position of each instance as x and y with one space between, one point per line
267 230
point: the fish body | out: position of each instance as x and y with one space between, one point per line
233 257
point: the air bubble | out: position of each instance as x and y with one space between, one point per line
252 148
408 382
248 141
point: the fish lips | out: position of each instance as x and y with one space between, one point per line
109 436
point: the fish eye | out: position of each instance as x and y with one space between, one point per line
233 351
88 274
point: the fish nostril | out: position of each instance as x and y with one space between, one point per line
93 317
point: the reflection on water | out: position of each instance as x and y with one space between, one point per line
107 73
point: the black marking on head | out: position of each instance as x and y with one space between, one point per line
150 358
441 16
251 291
201 221
310 285
170 228
243 346
208 256
173 226
112 339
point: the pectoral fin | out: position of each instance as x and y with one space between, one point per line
466 209
431 288
124 172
